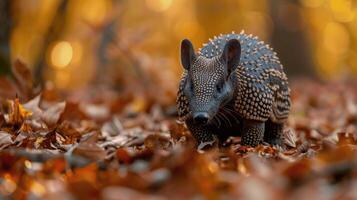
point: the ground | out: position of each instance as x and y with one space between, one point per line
108 147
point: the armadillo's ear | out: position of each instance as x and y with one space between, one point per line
187 53
231 54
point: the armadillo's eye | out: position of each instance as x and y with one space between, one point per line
191 86
219 87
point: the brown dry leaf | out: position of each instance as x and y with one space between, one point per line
5 139
69 132
157 141
298 171
38 142
124 156
152 156
16 113
255 188
57 165
96 112
88 148
7 88
124 193
26 127
346 139
290 138
83 182
52 115
33 106
23 77
266 151
112 128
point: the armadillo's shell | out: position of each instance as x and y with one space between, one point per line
182 101
262 91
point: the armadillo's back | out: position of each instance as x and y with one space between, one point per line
262 89
255 54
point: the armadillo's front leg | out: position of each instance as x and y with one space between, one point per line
204 136
252 133
274 133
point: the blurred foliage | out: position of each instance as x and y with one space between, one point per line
135 43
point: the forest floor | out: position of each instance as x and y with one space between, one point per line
55 148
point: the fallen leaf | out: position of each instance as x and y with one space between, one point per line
16 113
23 77
88 148
5 140
33 106
7 88
290 138
52 115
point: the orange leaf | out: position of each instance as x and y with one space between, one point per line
16 113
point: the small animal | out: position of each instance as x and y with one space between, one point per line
234 85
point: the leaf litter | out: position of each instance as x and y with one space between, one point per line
57 146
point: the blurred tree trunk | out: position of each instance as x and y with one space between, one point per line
5 27
289 39
55 30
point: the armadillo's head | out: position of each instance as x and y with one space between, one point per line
209 84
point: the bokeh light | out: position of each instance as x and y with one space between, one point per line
37 189
94 11
61 54
342 10
159 5
8 185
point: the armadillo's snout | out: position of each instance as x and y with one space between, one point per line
200 117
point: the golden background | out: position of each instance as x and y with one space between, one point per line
134 42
